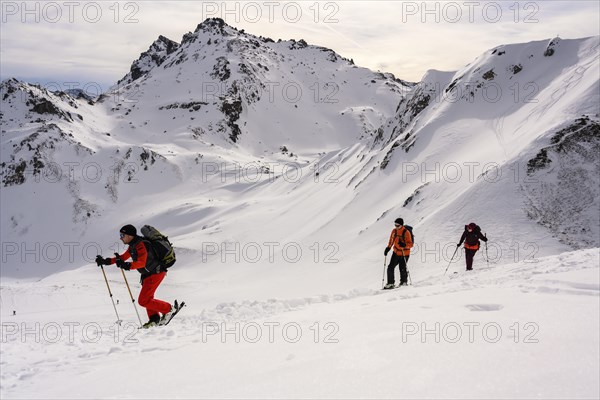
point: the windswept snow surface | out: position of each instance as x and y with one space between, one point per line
518 330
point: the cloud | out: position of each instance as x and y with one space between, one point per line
406 38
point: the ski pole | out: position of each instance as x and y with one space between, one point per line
451 260
384 265
407 271
487 257
111 295
130 295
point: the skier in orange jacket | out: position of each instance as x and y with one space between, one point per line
401 242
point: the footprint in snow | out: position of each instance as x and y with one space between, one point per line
484 307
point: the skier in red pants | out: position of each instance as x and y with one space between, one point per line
151 274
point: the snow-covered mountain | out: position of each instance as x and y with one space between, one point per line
219 79
226 123
513 136
221 98
245 120
277 169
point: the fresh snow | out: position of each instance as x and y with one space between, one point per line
520 330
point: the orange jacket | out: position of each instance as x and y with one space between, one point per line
398 237
139 257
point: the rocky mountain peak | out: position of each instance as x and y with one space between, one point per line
34 103
156 54
214 25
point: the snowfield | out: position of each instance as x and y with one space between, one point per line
520 330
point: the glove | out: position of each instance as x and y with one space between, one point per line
123 265
458 245
386 251
102 261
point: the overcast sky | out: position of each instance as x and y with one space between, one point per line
94 43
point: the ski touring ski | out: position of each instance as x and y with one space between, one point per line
177 306
394 287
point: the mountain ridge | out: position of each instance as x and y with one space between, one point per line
225 120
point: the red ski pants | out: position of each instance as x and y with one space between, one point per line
146 298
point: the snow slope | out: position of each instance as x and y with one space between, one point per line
154 151
522 330
219 103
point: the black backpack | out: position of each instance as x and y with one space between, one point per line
472 238
161 246
412 236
